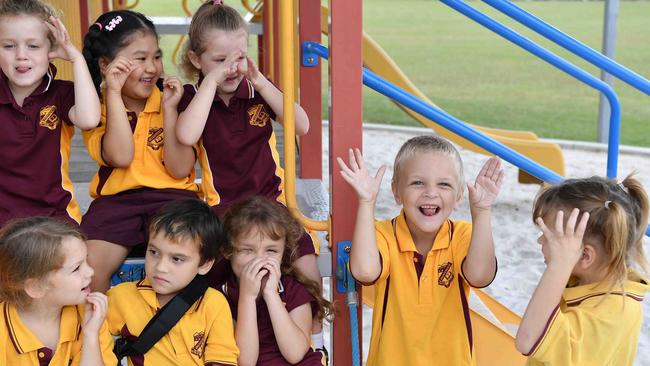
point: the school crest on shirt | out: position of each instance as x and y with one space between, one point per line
445 275
199 344
257 116
156 138
48 117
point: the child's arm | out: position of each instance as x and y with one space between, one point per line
246 333
85 113
273 96
365 261
292 330
564 248
191 121
179 159
479 266
117 143
96 308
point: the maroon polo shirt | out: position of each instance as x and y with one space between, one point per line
237 143
34 151
293 294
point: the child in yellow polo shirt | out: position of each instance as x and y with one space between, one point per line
44 284
421 262
587 309
184 239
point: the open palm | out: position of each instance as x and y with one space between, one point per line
359 178
487 185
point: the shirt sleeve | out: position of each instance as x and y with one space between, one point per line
93 139
220 344
296 295
267 107
65 89
461 240
384 253
114 320
188 94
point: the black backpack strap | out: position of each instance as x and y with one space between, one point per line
163 321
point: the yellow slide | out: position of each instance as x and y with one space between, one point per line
378 61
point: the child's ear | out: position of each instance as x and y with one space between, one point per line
194 59
205 267
36 288
393 187
103 64
589 256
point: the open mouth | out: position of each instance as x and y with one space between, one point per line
86 290
23 69
429 210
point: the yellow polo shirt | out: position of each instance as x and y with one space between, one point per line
204 334
590 327
19 347
147 170
421 321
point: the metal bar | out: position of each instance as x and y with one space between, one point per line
345 71
571 44
609 47
560 63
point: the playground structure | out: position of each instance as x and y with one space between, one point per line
289 55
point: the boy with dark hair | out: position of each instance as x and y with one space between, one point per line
184 239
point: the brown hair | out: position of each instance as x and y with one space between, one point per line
34 8
425 144
30 249
275 222
207 17
618 217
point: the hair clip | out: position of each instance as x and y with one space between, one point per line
113 23
607 204
623 187
99 25
217 2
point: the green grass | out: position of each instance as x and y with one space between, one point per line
481 78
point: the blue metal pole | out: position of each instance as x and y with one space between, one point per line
560 63
571 44
447 121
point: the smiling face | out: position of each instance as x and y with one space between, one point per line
24 48
143 51
428 188
171 265
255 244
70 284
218 45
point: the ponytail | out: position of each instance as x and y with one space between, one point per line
640 206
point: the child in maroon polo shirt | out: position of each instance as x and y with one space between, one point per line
141 164
272 302
39 113
229 114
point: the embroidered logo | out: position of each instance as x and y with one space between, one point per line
48 117
257 116
199 344
156 138
445 276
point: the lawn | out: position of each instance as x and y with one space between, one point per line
481 78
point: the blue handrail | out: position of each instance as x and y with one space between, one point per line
560 63
444 119
571 44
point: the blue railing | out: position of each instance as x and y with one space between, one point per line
312 49
560 63
571 44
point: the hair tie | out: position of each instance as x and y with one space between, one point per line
99 25
607 204
623 187
113 23
217 2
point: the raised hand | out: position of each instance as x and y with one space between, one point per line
359 178
250 278
225 69
271 286
251 72
117 72
487 185
564 244
63 48
172 92
95 312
